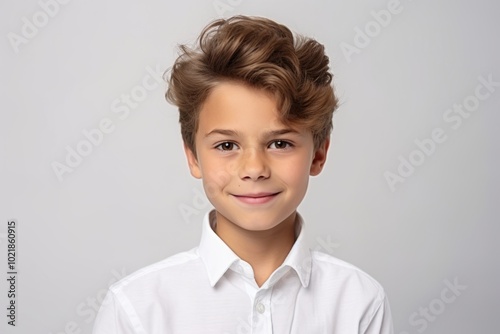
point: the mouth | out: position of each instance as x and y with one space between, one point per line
256 198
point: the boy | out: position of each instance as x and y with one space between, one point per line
255 108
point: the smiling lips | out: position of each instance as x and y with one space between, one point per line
257 198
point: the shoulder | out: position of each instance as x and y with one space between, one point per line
352 295
328 271
170 269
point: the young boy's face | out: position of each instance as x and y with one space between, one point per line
255 170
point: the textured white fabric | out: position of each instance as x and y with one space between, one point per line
210 290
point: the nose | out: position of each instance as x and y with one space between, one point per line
253 165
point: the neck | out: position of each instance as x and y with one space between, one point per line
265 250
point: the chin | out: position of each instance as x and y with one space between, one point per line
258 221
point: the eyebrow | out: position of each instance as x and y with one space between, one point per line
234 133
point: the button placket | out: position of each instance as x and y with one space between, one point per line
260 307
261 303
262 312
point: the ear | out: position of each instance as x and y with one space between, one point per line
319 158
192 162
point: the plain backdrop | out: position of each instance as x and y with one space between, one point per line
417 215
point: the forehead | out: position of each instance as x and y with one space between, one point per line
240 105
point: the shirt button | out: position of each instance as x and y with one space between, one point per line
260 308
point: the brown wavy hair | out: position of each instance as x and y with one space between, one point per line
260 53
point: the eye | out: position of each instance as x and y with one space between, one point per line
226 146
280 144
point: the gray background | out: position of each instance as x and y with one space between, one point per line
120 208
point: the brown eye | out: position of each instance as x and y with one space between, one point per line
280 144
225 146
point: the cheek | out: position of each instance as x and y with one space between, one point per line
295 172
218 171
214 180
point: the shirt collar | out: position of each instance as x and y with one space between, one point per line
218 257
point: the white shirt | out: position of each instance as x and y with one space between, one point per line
209 289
